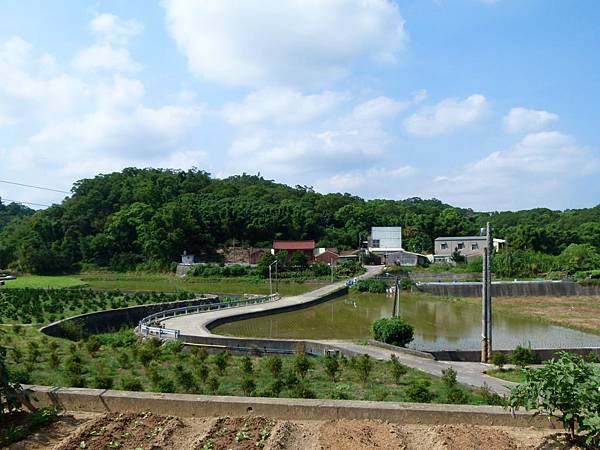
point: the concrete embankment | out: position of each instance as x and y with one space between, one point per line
113 319
189 405
509 289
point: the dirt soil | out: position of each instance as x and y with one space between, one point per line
151 432
581 312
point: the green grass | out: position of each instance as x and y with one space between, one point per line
117 360
171 283
46 282
514 375
162 283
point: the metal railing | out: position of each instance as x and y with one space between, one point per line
149 330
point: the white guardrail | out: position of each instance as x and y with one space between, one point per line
150 330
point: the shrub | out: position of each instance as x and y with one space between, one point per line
372 286
456 395
173 347
93 345
393 330
290 379
340 392
363 367
522 356
102 381
221 360
275 365
449 377
418 391
247 365
202 372
499 359
302 391
490 397
301 364
398 369
568 389
130 383
332 366
212 384
248 385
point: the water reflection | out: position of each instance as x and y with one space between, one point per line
439 324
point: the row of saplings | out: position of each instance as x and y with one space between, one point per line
567 388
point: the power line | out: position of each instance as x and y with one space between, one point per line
4 200
35 187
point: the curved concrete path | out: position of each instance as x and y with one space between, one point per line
470 374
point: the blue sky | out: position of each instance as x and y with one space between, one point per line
485 104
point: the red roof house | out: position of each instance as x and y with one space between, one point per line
306 247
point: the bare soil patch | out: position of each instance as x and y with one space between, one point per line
582 312
148 431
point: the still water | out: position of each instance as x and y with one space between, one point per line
439 324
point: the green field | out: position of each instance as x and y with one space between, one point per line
121 361
44 282
161 283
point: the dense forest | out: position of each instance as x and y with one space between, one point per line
145 218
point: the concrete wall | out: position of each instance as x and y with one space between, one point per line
103 321
269 312
189 405
541 355
510 289
263 346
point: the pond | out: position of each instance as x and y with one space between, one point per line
439 324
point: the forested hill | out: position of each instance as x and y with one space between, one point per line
145 218
12 211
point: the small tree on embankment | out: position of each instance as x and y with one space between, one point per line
393 330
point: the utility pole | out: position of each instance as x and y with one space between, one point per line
396 311
270 278
486 298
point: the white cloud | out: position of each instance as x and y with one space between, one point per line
374 179
520 120
112 29
448 115
281 105
105 57
383 107
76 126
283 42
538 170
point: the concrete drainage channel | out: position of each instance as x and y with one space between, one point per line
188 405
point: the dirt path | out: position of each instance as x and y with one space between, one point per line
148 431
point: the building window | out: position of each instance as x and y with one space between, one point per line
375 243
474 246
460 245
444 246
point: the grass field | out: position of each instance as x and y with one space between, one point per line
119 360
45 282
161 283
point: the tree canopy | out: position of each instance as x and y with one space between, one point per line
145 218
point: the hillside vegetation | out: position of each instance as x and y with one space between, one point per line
145 218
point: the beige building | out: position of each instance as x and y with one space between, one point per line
468 246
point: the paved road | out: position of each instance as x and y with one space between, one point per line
467 373
198 324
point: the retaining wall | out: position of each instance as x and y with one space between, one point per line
261 346
109 320
541 355
509 289
276 309
189 405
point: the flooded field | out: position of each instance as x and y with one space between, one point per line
439 324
